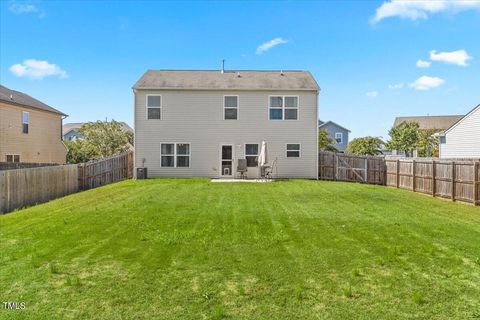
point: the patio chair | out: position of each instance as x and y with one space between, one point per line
242 168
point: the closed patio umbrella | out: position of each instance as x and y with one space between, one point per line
262 157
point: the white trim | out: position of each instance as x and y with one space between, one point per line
175 155
251 155
461 120
147 107
283 108
220 171
238 106
341 137
299 150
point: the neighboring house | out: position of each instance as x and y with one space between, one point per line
434 123
462 139
199 123
70 130
337 133
30 131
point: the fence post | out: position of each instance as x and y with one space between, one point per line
476 179
433 178
366 169
335 166
398 173
413 175
453 180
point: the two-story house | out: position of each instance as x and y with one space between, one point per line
338 134
30 130
461 139
199 123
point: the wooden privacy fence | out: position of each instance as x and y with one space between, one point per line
453 179
25 187
346 167
97 173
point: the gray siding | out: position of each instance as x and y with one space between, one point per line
463 140
196 117
332 128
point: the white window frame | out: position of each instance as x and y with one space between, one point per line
251 155
27 122
238 106
13 157
339 134
284 107
147 107
189 155
299 150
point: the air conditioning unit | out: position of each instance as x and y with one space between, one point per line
141 173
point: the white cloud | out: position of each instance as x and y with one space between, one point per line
28 6
270 44
372 94
37 69
459 57
423 64
421 9
396 86
426 83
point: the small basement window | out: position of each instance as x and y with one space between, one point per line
154 107
293 150
12 158
230 108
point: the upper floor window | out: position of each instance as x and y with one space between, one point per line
293 150
339 137
283 108
25 121
175 155
154 107
230 108
251 154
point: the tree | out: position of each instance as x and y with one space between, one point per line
370 146
427 145
404 137
325 142
100 139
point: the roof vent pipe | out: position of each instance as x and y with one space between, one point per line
223 65
11 96
281 72
238 75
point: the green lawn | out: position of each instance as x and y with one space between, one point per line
192 249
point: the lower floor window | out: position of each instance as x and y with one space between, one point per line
175 155
12 158
251 154
293 150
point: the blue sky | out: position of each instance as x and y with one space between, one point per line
83 57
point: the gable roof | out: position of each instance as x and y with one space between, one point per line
429 122
321 124
477 108
229 80
20 98
67 127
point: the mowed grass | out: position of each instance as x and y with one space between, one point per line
192 249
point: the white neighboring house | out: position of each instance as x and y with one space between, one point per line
199 123
462 139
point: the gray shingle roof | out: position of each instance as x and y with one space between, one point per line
76 125
20 98
430 122
229 80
